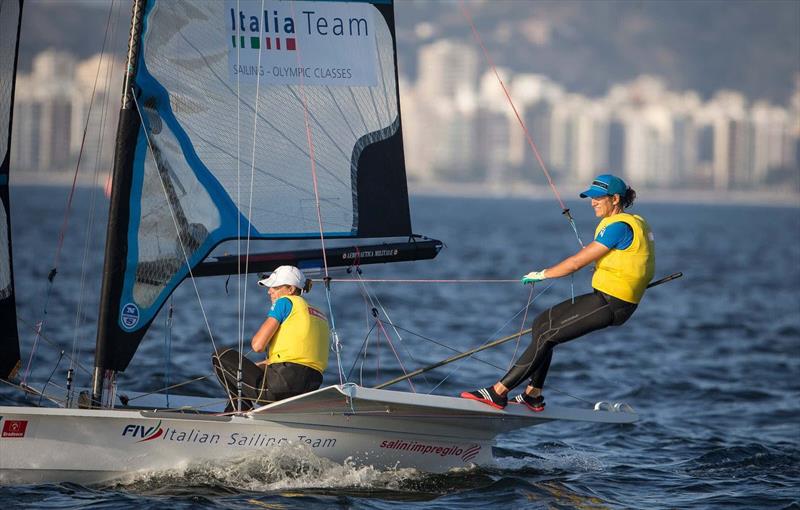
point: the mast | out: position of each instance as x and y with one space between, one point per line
118 214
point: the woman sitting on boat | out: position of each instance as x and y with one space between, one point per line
625 262
296 335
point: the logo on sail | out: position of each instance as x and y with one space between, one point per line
277 43
14 428
129 316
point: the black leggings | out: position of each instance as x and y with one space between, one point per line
260 386
561 323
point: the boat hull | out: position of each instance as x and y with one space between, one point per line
363 426
79 446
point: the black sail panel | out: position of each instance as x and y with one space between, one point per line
10 19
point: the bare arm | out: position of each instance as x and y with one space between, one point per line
264 334
569 265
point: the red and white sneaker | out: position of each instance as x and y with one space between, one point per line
488 396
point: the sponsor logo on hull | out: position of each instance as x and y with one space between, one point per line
144 433
14 428
466 454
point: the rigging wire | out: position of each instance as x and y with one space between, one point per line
34 327
239 277
80 316
524 309
442 344
249 212
52 274
361 350
521 327
418 280
377 300
58 362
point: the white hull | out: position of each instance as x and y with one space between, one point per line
379 428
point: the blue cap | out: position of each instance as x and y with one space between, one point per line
605 184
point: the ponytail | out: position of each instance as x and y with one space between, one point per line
628 198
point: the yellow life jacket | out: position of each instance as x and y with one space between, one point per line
625 274
302 338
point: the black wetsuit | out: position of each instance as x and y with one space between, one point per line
261 386
561 323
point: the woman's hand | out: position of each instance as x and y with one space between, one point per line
533 277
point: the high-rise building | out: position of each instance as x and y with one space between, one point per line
773 145
42 113
445 67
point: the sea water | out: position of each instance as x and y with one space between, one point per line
709 361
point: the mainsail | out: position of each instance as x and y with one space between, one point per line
10 19
228 108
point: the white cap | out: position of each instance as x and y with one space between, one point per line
285 275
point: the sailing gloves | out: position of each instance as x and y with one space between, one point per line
533 277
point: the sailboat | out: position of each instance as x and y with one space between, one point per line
322 152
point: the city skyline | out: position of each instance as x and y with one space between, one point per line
641 129
653 136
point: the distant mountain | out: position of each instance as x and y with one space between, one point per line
705 45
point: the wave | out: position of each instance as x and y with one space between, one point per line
278 469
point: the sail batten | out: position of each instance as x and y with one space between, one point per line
222 92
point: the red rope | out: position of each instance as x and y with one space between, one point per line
310 141
532 145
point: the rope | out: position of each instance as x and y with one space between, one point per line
531 144
309 139
400 280
243 302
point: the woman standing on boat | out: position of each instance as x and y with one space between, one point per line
625 262
295 337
